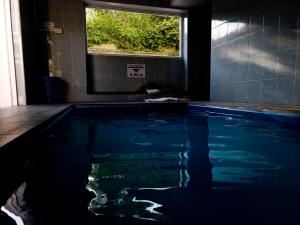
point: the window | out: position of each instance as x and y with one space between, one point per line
128 33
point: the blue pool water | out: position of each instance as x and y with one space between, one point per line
192 166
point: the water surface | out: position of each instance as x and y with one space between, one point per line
115 166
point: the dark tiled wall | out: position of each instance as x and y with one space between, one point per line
109 73
34 52
255 55
199 21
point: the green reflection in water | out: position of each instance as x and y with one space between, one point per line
114 175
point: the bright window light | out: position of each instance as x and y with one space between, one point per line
128 33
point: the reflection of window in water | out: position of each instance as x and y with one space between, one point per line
136 180
113 179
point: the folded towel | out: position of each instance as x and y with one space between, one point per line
152 91
161 99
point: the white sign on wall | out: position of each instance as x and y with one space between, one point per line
136 70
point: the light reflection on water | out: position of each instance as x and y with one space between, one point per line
170 168
111 182
177 155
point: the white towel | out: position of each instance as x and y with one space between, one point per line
152 91
161 99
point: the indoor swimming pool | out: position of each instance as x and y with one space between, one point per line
168 165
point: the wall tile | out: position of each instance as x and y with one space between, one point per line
229 70
59 5
229 92
57 18
216 74
298 62
288 27
256 20
213 92
51 5
78 44
287 37
244 23
73 23
222 52
285 90
297 91
151 68
75 6
255 68
78 68
215 35
214 56
117 78
233 54
254 91
110 72
271 39
256 44
243 47
268 88
286 62
233 28
219 93
271 15
241 94
223 33
269 66
261 59
242 70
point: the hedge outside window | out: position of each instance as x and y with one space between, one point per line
118 32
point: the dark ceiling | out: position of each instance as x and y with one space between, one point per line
187 3
162 3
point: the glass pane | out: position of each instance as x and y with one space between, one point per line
117 32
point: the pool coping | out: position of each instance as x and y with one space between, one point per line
281 117
34 132
255 108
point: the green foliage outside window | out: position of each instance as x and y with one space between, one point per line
110 31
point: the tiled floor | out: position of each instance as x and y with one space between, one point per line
15 121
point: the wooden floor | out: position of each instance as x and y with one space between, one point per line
15 121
